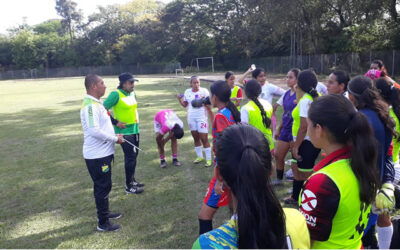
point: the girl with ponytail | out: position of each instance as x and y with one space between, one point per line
244 166
367 100
257 112
217 195
303 152
336 200
391 96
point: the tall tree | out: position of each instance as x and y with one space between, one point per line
71 16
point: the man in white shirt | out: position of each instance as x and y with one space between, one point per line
98 149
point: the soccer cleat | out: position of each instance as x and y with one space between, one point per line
198 160
277 182
208 163
112 215
134 190
108 227
176 163
163 164
137 184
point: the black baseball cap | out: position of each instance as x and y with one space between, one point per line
126 77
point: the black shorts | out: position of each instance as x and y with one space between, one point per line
308 154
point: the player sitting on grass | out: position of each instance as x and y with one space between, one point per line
166 121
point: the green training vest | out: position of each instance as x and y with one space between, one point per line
352 215
396 143
234 93
126 108
296 115
255 119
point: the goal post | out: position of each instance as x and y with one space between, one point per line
205 58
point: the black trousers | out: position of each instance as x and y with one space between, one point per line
130 156
100 171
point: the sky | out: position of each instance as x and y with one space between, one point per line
12 12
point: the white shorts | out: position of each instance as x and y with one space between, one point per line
198 124
397 174
157 126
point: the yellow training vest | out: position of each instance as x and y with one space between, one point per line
126 108
396 142
234 93
255 119
352 215
296 115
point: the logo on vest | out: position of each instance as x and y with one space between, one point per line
308 200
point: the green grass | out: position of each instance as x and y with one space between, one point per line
46 198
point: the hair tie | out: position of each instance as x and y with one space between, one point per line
248 146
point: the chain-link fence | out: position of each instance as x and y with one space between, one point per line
354 63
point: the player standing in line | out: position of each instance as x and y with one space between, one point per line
236 91
257 112
283 134
258 221
217 195
166 121
336 200
368 102
268 90
197 119
337 82
302 149
378 65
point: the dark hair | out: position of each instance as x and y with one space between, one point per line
390 94
223 92
178 131
90 80
367 98
257 72
381 66
228 74
193 77
342 77
307 81
348 127
253 90
295 71
244 162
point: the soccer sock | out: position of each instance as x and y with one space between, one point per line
279 174
385 236
174 157
297 185
208 153
199 151
205 226
162 158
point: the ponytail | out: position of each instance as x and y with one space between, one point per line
223 92
391 95
244 162
234 111
307 81
363 156
336 114
361 88
265 119
252 91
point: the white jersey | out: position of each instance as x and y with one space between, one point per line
189 96
268 91
99 136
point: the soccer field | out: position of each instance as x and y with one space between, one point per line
46 198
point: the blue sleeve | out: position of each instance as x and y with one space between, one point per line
384 162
